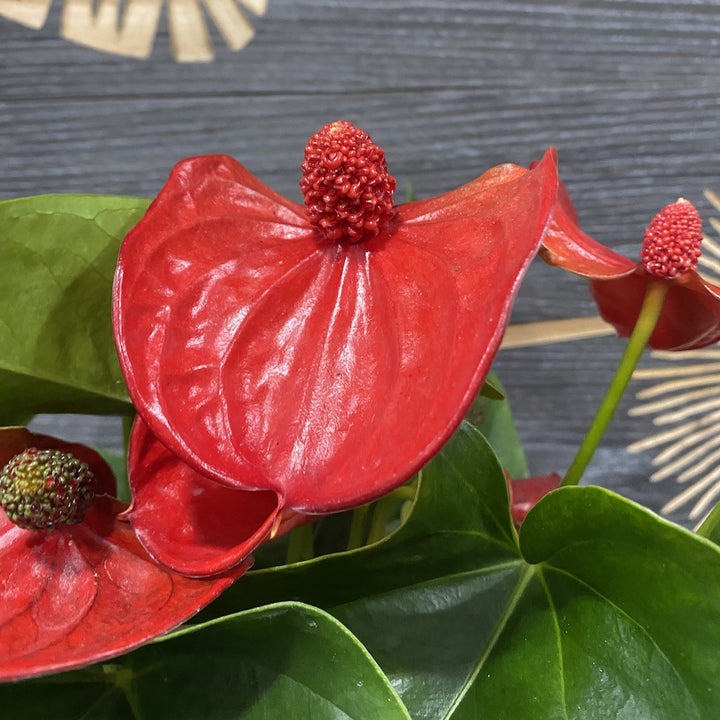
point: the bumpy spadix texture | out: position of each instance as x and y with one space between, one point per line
42 489
671 246
348 190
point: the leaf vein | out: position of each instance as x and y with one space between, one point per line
514 599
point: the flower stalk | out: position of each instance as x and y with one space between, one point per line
646 322
357 527
301 545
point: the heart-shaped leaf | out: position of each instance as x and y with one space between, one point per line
619 617
58 258
608 612
613 613
283 661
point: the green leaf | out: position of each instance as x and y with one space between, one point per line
492 389
456 553
493 417
613 613
8 418
73 696
283 661
604 610
631 611
58 260
710 527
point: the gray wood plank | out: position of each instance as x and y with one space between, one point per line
627 91
360 45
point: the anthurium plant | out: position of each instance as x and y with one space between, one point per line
323 509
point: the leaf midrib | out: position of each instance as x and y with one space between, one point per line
503 620
556 627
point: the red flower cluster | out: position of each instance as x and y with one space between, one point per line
287 362
690 316
671 246
77 587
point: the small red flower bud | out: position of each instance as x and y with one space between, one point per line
348 190
671 246
41 489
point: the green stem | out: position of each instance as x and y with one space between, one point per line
647 319
383 512
300 544
405 492
357 527
124 679
386 508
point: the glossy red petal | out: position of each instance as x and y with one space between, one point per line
568 247
525 492
187 521
562 199
86 592
269 358
212 243
47 588
14 440
690 316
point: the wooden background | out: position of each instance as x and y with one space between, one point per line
627 91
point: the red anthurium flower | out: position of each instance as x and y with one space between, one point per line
690 315
190 522
525 492
76 586
321 354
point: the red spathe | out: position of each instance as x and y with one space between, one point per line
266 357
85 592
690 316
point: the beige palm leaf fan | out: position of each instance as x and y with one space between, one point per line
129 27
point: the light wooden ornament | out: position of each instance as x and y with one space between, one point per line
129 28
32 13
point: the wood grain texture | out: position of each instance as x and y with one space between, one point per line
627 91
